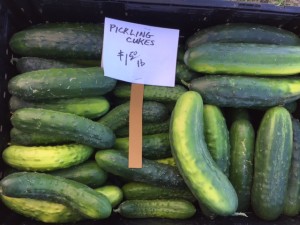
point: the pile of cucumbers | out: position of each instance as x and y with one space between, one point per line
224 141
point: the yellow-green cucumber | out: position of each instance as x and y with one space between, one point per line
73 127
88 173
205 179
46 158
154 146
291 205
272 160
87 202
242 142
89 107
51 212
169 161
158 208
140 190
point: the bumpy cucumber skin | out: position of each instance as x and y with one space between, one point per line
118 116
18 137
81 198
291 205
184 73
92 107
152 172
247 92
154 146
45 158
242 59
88 173
151 93
139 190
207 182
243 33
59 83
272 160
159 208
28 64
76 128
217 136
113 193
59 40
242 141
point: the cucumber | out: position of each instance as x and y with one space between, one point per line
158 208
243 33
28 64
59 83
272 160
76 128
246 92
45 158
51 212
59 40
242 141
206 181
88 173
244 59
20 137
148 128
139 190
118 116
184 73
291 205
154 146
151 92
79 197
217 136
169 161
92 107
152 172
113 193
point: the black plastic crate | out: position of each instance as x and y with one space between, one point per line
187 16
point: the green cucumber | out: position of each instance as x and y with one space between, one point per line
244 59
88 173
151 92
242 141
154 146
158 208
152 172
45 158
79 197
118 116
148 128
113 193
76 128
291 206
169 161
59 83
204 178
20 137
59 40
217 136
272 160
243 33
246 92
184 73
51 212
28 64
89 107
139 190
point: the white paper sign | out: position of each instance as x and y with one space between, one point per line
140 54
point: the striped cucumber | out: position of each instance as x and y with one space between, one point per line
57 83
242 141
272 160
76 128
246 92
158 208
79 197
207 182
45 158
